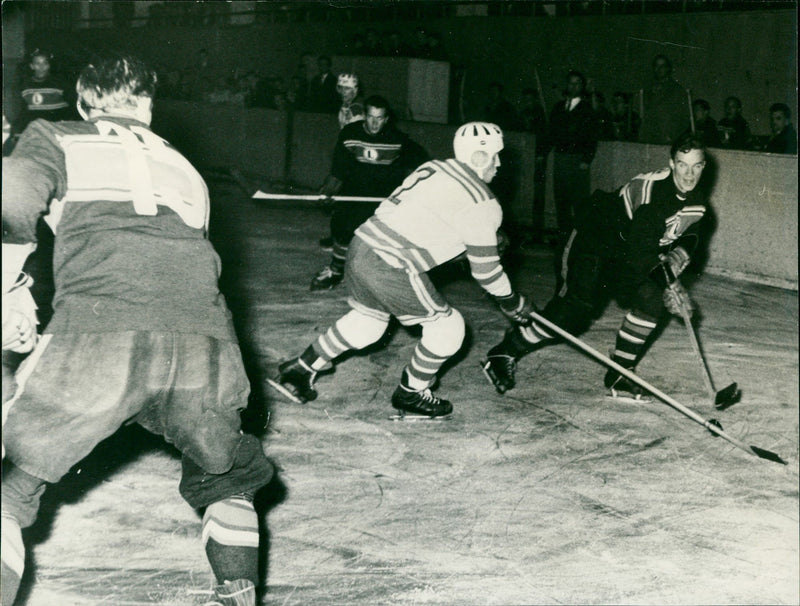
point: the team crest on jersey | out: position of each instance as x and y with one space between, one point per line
678 223
37 98
371 154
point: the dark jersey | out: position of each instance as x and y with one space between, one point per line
644 218
48 99
130 215
373 165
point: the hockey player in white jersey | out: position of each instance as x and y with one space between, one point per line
443 209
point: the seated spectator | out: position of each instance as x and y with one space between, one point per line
705 127
625 121
531 113
296 93
436 51
784 137
734 132
499 110
373 46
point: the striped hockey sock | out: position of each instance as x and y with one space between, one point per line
13 558
230 537
423 367
631 339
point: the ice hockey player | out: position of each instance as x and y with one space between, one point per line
140 331
371 158
632 244
443 209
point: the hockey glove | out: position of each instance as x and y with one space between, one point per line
503 242
677 300
674 262
516 308
19 316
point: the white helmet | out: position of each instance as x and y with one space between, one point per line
477 137
348 80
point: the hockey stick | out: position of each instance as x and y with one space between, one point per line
723 398
260 195
712 424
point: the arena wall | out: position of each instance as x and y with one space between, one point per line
754 195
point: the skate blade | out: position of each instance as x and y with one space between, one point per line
620 397
408 416
281 389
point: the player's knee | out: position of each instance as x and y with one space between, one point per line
444 335
361 330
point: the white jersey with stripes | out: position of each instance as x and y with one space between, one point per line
441 210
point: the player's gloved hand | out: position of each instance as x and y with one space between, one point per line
19 317
674 262
503 242
516 308
677 299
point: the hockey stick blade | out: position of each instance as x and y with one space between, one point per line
281 389
727 397
415 417
766 454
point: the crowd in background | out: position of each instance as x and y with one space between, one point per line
656 113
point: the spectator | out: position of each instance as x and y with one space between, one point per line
666 106
734 132
373 46
394 46
436 51
322 95
352 109
784 137
534 120
605 126
705 127
572 135
625 121
499 110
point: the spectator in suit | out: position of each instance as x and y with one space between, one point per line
734 132
572 136
625 122
322 95
499 110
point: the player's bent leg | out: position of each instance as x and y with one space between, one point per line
501 360
631 339
441 339
355 330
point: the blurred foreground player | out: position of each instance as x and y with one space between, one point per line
140 331
443 209
635 243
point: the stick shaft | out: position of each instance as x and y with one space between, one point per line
260 195
687 319
641 382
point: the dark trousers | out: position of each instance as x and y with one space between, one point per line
571 185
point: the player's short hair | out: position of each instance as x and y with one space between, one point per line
115 81
39 52
378 102
735 100
687 143
781 107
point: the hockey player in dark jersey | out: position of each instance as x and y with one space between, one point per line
633 243
370 159
44 94
140 331
441 210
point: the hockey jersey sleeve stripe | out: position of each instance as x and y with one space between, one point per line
638 191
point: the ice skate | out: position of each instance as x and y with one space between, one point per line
419 405
326 279
500 369
295 380
235 593
622 388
